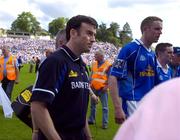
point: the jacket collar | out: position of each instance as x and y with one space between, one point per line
69 53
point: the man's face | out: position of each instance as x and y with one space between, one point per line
154 31
98 57
85 37
61 41
48 52
167 55
5 52
176 60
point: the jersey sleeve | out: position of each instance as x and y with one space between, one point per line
49 78
119 67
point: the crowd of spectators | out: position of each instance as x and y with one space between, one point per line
27 48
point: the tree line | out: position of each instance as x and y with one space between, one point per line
27 22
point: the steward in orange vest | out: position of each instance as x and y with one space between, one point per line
99 72
9 72
99 85
10 68
99 75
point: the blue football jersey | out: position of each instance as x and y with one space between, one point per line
162 75
178 72
135 68
175 71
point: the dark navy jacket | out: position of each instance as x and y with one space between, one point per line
62 83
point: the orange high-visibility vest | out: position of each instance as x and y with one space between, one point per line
10 68
99 75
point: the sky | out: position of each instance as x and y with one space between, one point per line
104 11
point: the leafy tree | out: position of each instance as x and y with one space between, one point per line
115 41
57 24
102 33
126 34
113 34
114 28
43 32
26 22
127 29
2 31
108 34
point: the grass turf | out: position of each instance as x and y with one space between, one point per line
14 129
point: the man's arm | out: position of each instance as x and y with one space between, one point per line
35 131
87 131
93 96
17 75
42 120
16 72
105 89
119 113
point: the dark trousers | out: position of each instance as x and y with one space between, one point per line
8 85
31 68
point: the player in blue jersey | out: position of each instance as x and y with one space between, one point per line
175 64
133 71
60 95
164 53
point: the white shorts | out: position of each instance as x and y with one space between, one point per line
132 106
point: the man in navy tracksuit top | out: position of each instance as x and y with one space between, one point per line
60 94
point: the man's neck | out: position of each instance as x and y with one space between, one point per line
72 47
6 56
100 62
146 43
163 64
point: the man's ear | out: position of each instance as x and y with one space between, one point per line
146 28
73 33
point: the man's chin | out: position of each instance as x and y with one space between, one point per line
156 40
86 51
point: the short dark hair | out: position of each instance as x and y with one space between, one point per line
75 23
148 21
161 47
176 50
60 36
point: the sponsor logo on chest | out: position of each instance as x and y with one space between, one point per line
79 85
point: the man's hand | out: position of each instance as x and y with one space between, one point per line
95 98
104 89
34 136
16 81
120 116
